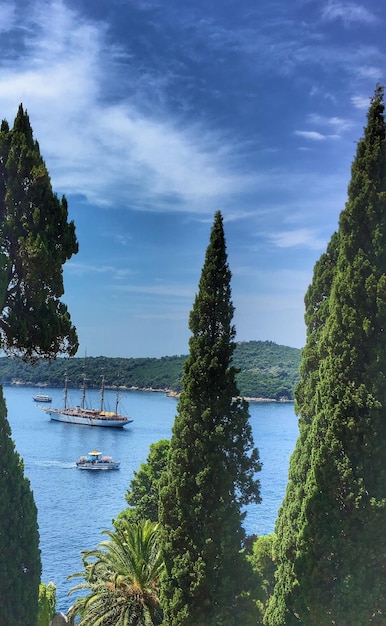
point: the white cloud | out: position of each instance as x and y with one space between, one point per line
168 290
338 124
110 153
300 237
310 134
84 269
348 12
361 102
188 162
372 73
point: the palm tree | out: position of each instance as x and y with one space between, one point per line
122 575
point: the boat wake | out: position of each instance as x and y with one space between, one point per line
53 463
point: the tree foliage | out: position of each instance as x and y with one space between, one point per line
20 565
263 563
46 604
331 540
35 241
212 464
143 494
122 577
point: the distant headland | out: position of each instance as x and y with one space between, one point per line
267 372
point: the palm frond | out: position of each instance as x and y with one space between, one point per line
122 576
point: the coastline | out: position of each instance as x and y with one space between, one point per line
176 394
168 392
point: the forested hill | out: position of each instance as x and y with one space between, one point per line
267 370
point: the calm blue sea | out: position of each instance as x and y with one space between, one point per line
75 506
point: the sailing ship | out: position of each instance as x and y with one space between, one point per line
88 416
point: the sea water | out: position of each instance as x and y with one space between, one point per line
74 507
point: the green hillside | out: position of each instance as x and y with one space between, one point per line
267 370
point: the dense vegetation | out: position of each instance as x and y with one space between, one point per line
143 493
122 577
35 241
267 370
20 566
331 541
211 466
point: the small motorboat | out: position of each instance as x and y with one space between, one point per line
96 461
42 397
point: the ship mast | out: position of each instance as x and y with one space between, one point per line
116 402
103 393
83 400
65 390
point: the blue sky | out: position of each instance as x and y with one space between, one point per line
153 115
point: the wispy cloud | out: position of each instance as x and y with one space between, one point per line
163 289
301 237
348 12
111 153
310 134
370 72
86 269
338 124
120 151
360 102
122 239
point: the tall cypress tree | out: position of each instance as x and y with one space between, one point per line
211 465
20 566
35 241
331 527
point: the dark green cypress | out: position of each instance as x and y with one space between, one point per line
331 528
211 465
35 241
20 566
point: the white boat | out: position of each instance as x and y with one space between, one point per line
96 461
88 416
42 397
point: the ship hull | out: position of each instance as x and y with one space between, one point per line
98 467
86 419
106 467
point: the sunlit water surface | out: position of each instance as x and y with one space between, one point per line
75 506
